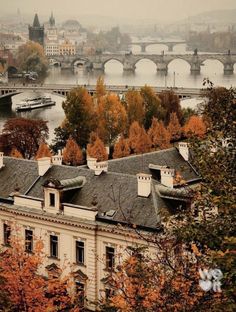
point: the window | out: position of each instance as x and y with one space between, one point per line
79 252
80 290
6 234
28 240
53 246
110 257
52 199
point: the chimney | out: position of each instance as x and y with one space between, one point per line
184 150
43 165
1 160
100 167
144 184
91 162
167 177
57 159
107 147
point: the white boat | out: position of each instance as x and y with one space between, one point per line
33 103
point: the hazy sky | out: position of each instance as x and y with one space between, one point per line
158 9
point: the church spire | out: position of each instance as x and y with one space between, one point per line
52 20
36 21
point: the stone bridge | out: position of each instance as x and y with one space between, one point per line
145 44
97 62
9 90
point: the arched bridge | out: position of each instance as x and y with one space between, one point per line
129 60
9 90
145 44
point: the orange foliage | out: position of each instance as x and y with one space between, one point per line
174 127
135 107
167 282
195 126
121 148
72 153
100 88
15 153
111 118
24 287
96 148
138 138
43 151
158 134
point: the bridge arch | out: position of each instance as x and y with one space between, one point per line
112 59
54 62
79 61
178 58
144 58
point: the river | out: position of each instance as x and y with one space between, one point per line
178 76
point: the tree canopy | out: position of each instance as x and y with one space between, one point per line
31 57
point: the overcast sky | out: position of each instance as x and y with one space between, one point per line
158 9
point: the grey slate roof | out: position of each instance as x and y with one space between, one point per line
139 163
109 191
17 173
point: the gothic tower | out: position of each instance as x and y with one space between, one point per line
36 32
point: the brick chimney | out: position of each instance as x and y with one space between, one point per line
144 184
184 150
44 164
167 177
1 160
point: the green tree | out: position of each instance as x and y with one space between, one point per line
31 57
152 106
79 111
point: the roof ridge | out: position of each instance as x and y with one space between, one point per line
139 155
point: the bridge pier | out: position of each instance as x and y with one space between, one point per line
98 66
228 68
128 66
162 67
143 48
195 68
170 47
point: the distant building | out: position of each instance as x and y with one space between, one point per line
36 32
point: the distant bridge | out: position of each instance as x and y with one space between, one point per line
97 62
7 91
145 44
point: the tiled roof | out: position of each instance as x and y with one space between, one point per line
139 163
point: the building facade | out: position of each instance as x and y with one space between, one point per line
85 215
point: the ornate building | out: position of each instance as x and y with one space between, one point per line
36 32
86 215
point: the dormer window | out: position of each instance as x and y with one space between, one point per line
52 199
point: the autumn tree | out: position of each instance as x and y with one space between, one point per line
159 136
166 281
79 111
24 134
121 148
23 285
195 126
138 138
100 88
174 127
152 106
72 153
15 153
171 103
43 151
31 57
213 156
135 107
111 118
61 135
96 148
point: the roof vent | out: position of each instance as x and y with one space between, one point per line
184 150
167 177
100 167
57 159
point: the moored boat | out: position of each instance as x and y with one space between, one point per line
33 103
